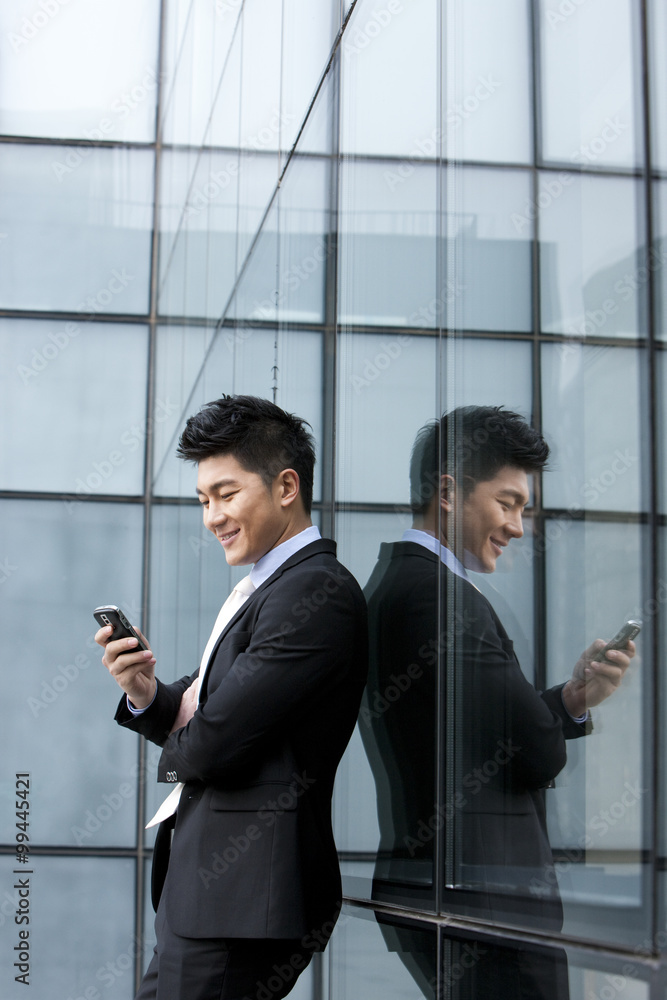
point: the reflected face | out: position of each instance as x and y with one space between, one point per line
246 517
491 517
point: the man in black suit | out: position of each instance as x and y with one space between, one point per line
248 881
504 742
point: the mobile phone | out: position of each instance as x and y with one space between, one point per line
621 639
109 614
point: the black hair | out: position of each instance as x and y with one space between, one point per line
263 438
472 444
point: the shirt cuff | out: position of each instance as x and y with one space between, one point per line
139 711
580 719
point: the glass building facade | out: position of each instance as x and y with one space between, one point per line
370 213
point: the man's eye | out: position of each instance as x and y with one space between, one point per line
203 503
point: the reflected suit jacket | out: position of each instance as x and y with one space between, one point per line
504 741
253 854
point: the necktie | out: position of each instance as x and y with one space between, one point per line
238 597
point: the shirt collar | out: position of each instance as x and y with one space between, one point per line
433 545
274 558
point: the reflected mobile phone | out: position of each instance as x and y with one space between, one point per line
621 639
109 614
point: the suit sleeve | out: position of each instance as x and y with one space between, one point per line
508 719
156 722
297 653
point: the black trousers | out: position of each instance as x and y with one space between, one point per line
220 968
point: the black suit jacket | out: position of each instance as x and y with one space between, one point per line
253 854
504 742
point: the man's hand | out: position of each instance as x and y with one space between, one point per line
593 681
187 707
133 669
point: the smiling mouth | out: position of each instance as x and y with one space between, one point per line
497 545
228 536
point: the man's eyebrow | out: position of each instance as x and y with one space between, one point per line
218 486
517 494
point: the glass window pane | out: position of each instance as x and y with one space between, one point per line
590 82
240 360
596 464
78 228
487 105
382 959
658 257
81 928
489 253
599 811
308 33
66 559
592 280
61 368
198 39
385 112
85 71
658 76
388 246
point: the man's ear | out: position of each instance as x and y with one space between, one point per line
448 491
289 486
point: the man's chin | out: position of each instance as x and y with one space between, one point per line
476 565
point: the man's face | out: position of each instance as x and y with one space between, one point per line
491 517
247 518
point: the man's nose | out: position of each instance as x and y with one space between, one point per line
515 525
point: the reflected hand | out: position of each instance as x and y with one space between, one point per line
593 681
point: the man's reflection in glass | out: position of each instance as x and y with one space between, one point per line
504 742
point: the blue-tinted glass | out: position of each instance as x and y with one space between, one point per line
388 245
88 71
241 360
595 464
382 959
81 932
384 112
486 105
658 258
592 276
60 561
75 396
599 810
591 82
77 225
658 76
198 38
488 268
